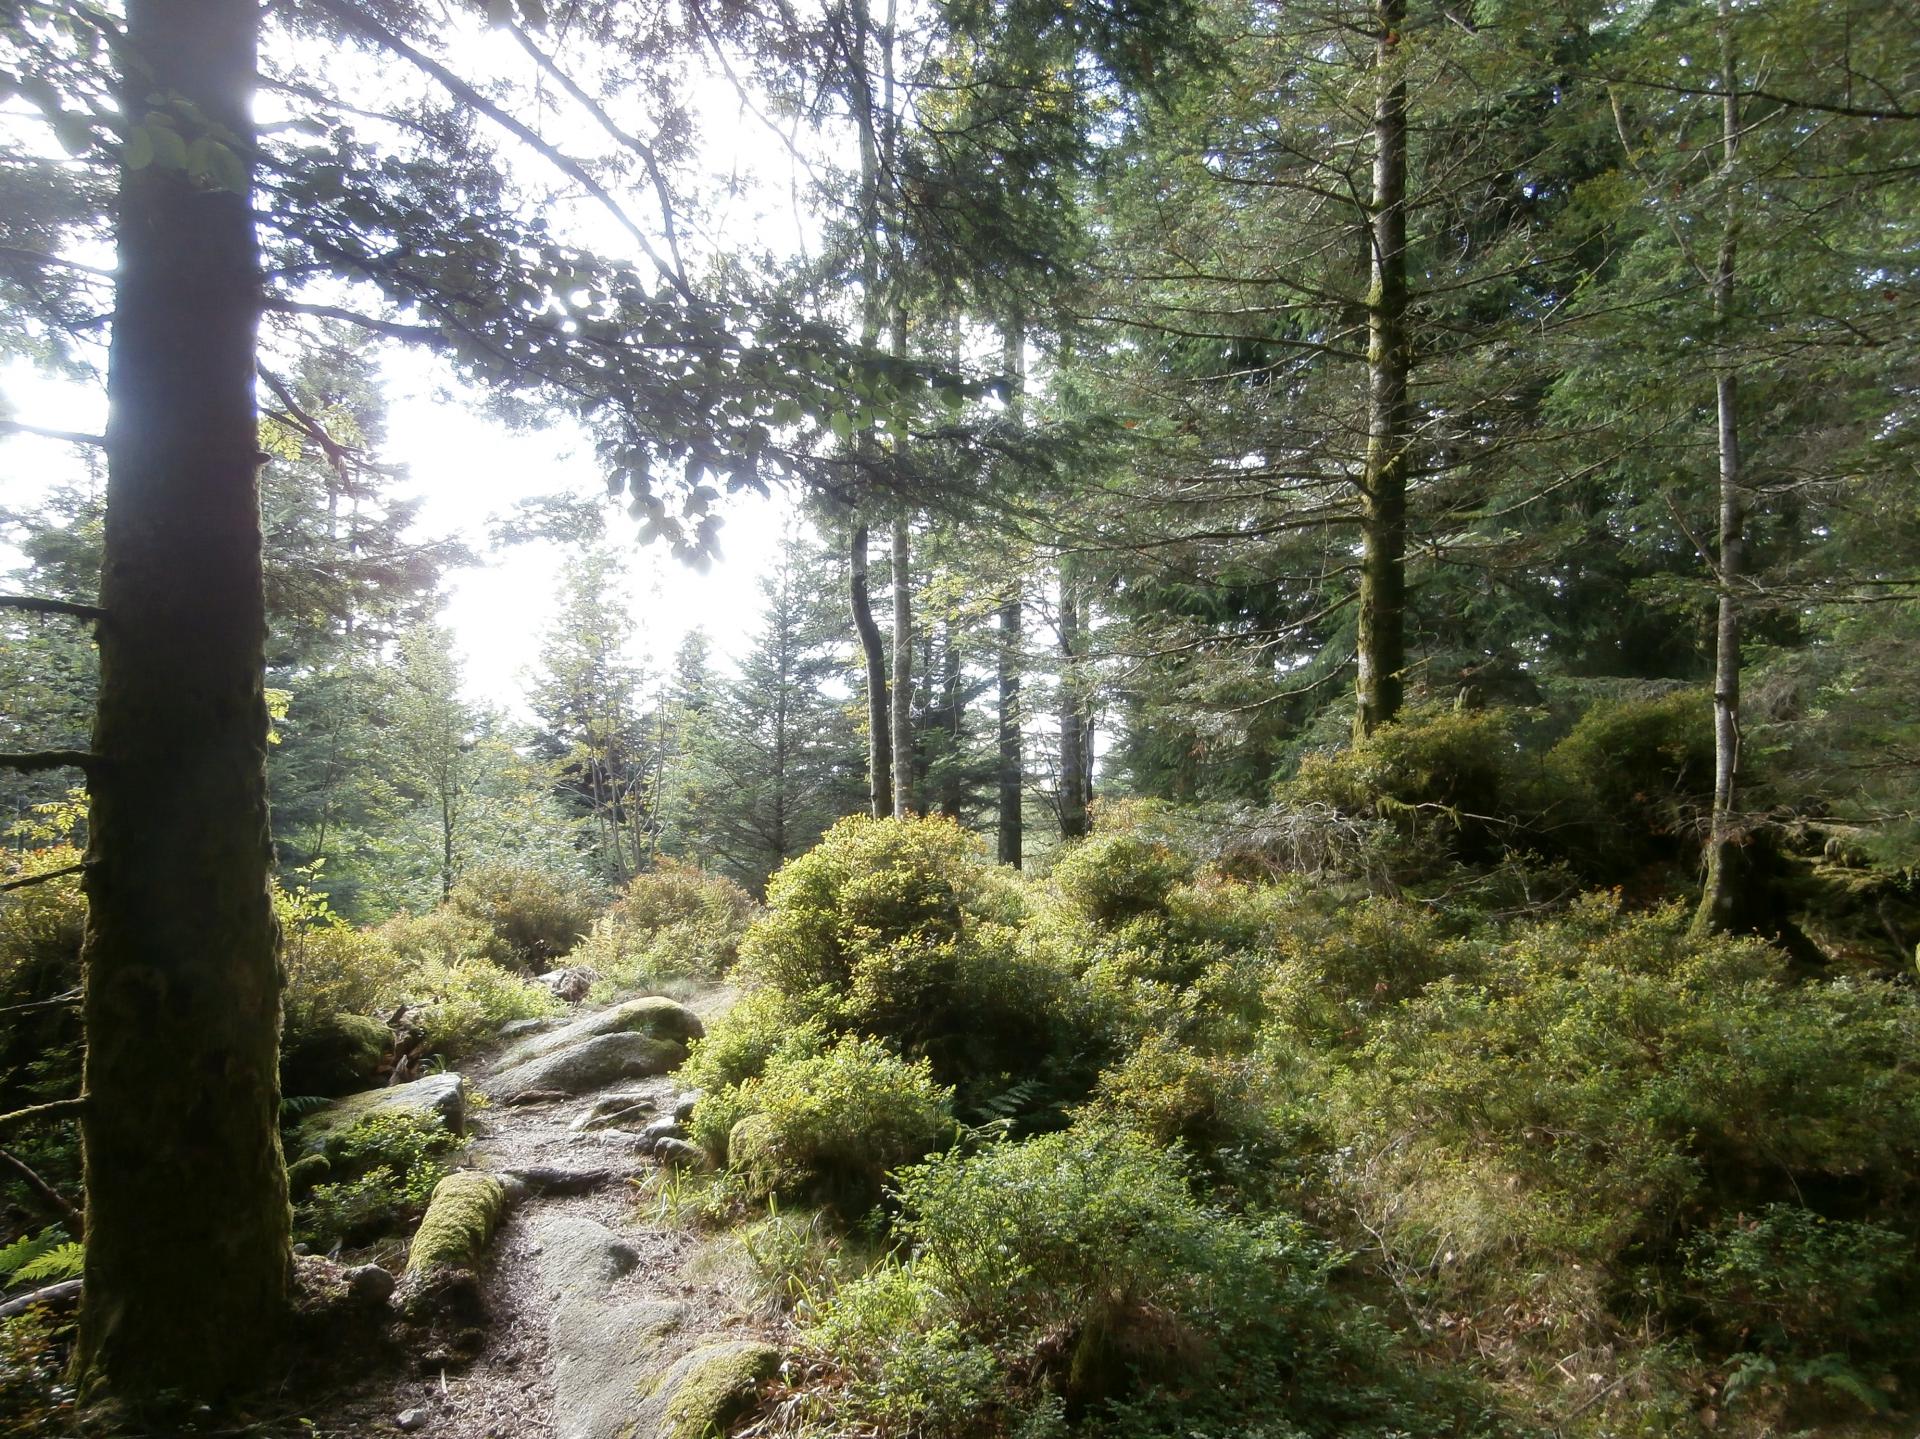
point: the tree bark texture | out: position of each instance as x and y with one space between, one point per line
1723 895
187 1275
1382 648
902 669
879 720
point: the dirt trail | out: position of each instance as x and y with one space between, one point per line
507 1392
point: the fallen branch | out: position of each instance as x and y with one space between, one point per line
63 1295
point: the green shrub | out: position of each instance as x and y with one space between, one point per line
35 1398
1644 769
1337 969
534 915
331 968
1114 876
387 1166
761 1025
1792 1281
829 1126
868 884
1175 1095
676 921
900 930
461 1006
1075 1274
1608 1085
1454 783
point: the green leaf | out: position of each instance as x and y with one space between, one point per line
169 150
786 410
841 423
137 153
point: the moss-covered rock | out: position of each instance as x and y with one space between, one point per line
305 1172
588 1065
439 1099
341 1055
653 1017
461 1216
702 1394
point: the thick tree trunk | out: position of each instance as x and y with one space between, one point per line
879 721
187 1274
1382 647
1010 777
902 671
1723 896
1074 790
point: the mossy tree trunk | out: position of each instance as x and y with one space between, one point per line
1382 648
187 1261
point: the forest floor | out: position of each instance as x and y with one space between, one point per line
508 1391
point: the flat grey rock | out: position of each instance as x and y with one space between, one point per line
655 1017
587 1065
606 1352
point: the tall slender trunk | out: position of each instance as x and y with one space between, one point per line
1007 659
1722 895
952 789
902 671
188 1263
879 721
1382 647
446 840
1007 664
1074 790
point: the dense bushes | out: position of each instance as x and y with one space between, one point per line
375 1177
901 931
827 1125
673 922
533 914
1076 1276
437 967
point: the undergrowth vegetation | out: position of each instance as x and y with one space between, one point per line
1231 1151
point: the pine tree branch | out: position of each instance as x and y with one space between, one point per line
61 1206
35 760
35 604
28 881
59 1001
74 437
37 1111
370 29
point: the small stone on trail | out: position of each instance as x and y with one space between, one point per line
662 1129
611 1111
543 1179
683 1106
412 1419
681 1155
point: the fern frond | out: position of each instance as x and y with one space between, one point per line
30 1249
64 1261
299 1106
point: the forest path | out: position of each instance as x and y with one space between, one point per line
509 1390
